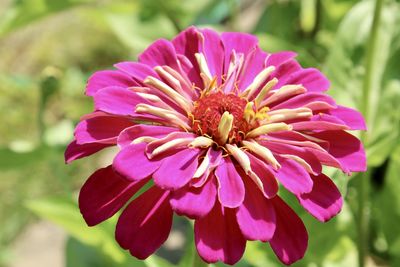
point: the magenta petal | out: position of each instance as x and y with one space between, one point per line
75 151
231 188
276 59
290 239
129 134
117 100
137 71
346 148
160 53
256 215
101 129
350 117
145 223
106 78
177 169
302 100
312 79
266 176
194 202
132 162
104 193
324 201
218 237
212 47
293 177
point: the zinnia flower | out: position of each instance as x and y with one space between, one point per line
216 124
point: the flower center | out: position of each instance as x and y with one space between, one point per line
209 110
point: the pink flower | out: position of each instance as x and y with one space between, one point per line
215 123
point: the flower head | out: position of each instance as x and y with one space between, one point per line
216 124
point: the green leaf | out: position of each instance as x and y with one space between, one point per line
64 212
345 69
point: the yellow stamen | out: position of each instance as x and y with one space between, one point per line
264 91
268 128
225 126
201 141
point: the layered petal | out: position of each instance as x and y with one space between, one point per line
194 202
145 223
107 78
105 193
231 189
290 239
218 237
256 215
324 201
76 151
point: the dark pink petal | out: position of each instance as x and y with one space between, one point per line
351 117
107 78
132 162
266 176
194 202
254 63
284 71
75 151
302 100
101 129
129 134
218 237
324 201
256 215
117 100
177 169
145 223
290 239
231 188
293 176
160 53
346 148
215 157
240 42
317 125
276 59
187 45
212 48
104 193
136 70
312 79
287 149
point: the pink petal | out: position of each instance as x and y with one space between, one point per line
346 148
276 59
133 164
317 125
266 176
290 239
312 79
117 100
75 151
160 53
212 47
254 63
256 215
240 42
293 177
168 138
137 71
107 78
218 237
284 71
101 129
231 189
187 45
177 169
194 202
302 100
351 117
145 223
129 134
215 157
287 149
324 201
104 193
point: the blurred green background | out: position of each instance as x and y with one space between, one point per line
48 49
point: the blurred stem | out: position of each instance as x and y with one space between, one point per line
197 261
363 215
